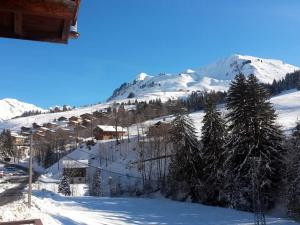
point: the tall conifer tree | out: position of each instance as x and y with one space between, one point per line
254 148
213 139
184 169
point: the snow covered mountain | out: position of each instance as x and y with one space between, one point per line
215 76
10 108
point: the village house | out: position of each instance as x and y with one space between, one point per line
103 132
100 117
50 125
159 128
25 130
35 126
21 144
76 170
87 116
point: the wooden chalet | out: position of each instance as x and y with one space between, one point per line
76 170
87 116
74 118
39 20
102 132
18 139
159 128
25 130
50 125
35 126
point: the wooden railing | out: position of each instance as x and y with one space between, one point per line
32 222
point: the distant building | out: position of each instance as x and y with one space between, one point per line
102 132
159 128
35 126
76 170
87 116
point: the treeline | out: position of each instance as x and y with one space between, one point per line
290 81
242 161
29 113
7 148
196 101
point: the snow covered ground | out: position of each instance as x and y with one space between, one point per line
54 209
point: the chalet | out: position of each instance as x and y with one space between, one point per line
74 118
87 116
21 143
76 170
63 133
25 130
159 128
102 132
86 123
50 125
39 20
18 139
35 126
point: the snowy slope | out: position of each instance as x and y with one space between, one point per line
10 108
287 106
215 76
16 124
54 209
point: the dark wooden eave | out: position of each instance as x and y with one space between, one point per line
38 20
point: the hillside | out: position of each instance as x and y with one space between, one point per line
10 108
215 76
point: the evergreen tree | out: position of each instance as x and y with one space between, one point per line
293 175
213 139
184 169
7 145
254 148
64 186
95 189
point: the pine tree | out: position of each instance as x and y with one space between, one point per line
255 143
213 140
64 186
95 189
184 169
7 145
293 175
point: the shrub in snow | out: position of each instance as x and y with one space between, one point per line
64 186
95 186
131 95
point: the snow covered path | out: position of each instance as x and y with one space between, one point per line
123 211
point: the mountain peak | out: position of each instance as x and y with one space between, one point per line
10 108
141 76
215 76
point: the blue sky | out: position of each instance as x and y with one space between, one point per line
120 39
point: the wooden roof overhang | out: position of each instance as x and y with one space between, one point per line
38 20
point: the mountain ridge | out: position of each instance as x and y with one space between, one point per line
215 76
10 108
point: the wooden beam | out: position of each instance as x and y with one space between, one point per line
54 40
18 24
55 8
66 30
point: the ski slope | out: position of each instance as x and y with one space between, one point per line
54 209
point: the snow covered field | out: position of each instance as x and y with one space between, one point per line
54 209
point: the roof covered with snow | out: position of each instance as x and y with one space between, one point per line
110 128
76 163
